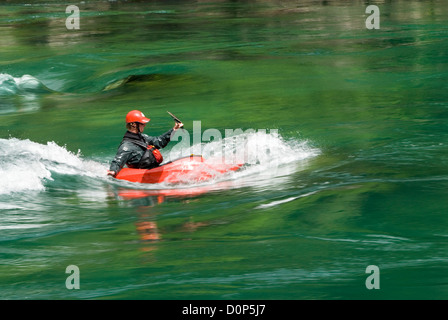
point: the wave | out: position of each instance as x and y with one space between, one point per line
26 165
30 86
20 93
94 82
24 85
124 80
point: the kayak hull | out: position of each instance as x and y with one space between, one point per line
189 169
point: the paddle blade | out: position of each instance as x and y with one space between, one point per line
174 117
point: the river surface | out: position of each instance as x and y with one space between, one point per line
343 132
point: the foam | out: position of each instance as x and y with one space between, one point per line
25 84
26 165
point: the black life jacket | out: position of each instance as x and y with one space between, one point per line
150 159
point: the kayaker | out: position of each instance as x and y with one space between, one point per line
138 150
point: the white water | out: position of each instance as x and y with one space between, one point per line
27 166
10 85
25 89
266 155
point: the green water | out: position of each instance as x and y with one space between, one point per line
357 175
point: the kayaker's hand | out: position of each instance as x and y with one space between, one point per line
111 173
178 125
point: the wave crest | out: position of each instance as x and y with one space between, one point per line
26 165
26 84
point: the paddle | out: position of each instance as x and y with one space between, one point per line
176 119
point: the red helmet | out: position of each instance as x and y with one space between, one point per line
136 116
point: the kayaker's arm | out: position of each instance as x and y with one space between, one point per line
120 159
160 141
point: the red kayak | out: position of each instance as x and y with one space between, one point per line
189 169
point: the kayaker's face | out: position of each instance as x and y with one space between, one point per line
141 127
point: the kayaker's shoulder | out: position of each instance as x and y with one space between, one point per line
127 145
146 137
